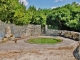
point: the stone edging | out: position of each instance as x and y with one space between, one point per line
64 33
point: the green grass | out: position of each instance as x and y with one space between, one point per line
44 41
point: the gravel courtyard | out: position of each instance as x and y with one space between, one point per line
25 51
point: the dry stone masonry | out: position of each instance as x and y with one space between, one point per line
10 31
64 33
8 35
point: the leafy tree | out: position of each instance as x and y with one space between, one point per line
11 11
65 17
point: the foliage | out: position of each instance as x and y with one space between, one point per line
11 11
65 17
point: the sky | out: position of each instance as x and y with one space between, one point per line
47 3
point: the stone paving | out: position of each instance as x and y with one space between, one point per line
25 51
21 44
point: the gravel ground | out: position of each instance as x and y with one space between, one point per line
26 51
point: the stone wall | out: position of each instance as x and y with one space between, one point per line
26 30
20 31
2 29
33 30
64 33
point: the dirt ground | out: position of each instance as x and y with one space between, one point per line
26 51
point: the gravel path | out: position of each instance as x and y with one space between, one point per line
25 51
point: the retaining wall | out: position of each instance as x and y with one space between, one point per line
64 33
20 31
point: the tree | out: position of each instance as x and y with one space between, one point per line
65 17
11 11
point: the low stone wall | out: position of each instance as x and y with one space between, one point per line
64 33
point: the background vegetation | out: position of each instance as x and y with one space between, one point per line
65 17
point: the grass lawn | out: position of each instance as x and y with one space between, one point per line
44 41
